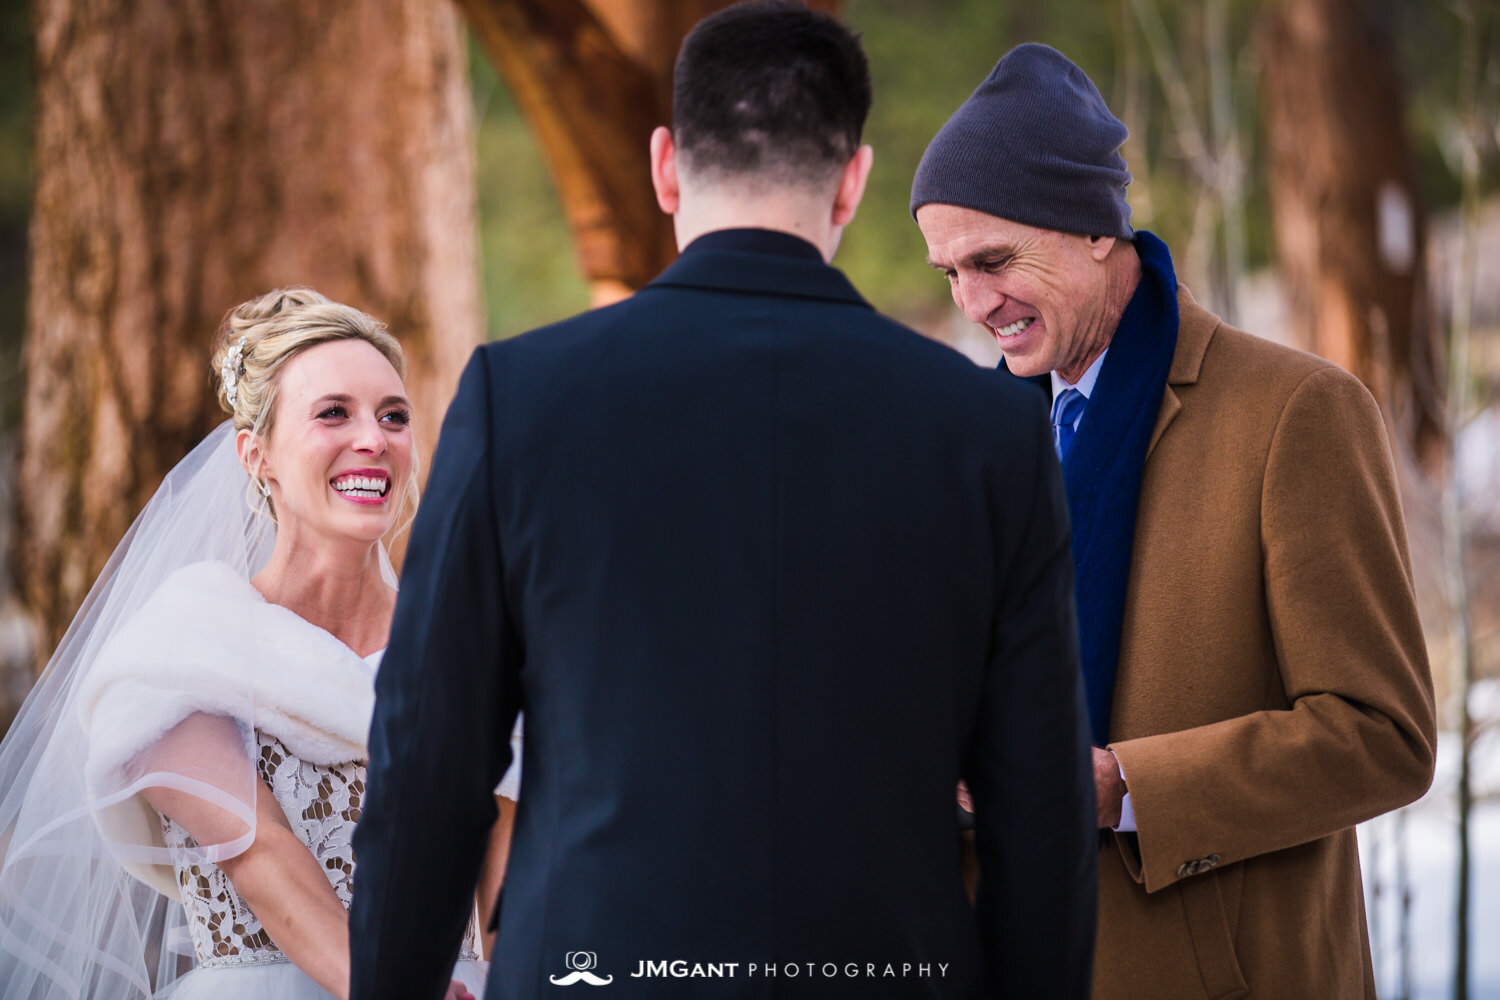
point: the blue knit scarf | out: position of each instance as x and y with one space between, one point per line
1102 473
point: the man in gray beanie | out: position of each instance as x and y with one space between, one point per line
1256 676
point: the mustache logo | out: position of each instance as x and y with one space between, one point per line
581 962
580 976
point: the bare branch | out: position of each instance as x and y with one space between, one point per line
1179 97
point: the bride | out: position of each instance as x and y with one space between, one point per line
180 790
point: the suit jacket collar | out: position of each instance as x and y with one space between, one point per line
1195 328
758 262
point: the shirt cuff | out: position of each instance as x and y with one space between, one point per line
1127 816
1127 811
510 784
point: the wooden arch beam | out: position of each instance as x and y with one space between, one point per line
593 79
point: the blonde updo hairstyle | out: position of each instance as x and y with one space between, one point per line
272 330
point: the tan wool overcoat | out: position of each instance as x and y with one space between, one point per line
1273 686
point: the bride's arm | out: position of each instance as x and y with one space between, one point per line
492 872
279 879
277 876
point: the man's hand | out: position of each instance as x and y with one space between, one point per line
1109 788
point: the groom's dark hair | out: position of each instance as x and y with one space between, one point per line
769 89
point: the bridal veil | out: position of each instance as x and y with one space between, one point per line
88 900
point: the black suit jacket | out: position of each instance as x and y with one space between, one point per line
768 574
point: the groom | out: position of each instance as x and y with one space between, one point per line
768 574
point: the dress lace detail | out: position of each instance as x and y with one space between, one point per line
322 803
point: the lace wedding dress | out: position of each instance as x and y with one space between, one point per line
304 723
322 803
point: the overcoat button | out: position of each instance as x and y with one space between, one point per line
1198 867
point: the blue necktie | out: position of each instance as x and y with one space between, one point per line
1067 409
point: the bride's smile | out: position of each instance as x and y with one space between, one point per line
363 486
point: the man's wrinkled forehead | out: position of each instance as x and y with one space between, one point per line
958 236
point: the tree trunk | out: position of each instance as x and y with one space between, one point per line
189 156
1349 226
594 78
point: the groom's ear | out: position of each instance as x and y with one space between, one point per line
664 170
851 187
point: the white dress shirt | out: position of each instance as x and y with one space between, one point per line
1085 385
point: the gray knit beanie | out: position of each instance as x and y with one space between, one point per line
1034 144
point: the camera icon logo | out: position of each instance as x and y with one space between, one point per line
582 964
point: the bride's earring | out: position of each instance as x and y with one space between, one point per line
264 487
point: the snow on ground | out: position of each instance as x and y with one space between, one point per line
1431 858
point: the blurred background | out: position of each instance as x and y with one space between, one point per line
1325 171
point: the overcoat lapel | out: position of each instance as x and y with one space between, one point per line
1170 407
1195 329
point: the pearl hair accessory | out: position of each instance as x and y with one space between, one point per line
232 368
